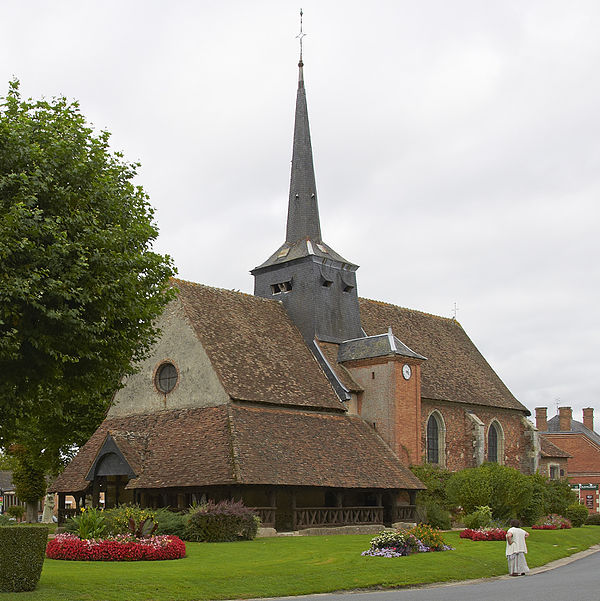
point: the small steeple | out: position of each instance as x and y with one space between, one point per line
303 211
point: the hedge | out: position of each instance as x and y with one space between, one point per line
22 550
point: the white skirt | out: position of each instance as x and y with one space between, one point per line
517 563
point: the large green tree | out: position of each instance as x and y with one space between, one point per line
80 287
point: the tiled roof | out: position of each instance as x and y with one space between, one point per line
549 449
6 480
576 427
235 444
257 352
455 370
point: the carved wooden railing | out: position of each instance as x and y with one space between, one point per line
266 515
310 517
404 513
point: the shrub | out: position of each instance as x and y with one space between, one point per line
552 522
430 537
480 518
90 523
221 522
4 520
484 534
21 557
593 519
170 522
577 514
16 511
118 518
120 548
400 543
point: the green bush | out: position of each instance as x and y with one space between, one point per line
593 519
16 511
480 518
436 516
504 489
90 523
4 520
117 518
577 514
170 522
432 504
22 552
221 522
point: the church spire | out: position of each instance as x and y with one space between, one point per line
303 211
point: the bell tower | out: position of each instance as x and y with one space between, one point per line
316 285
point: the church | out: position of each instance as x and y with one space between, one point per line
304 400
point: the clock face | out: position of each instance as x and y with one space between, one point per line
406 371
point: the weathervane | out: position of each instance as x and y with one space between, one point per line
300 36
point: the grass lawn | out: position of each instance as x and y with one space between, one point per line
288 566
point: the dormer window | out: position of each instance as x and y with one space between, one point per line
348 288
326 283
281 287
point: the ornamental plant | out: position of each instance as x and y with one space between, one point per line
225 521
118 518
21 557
484 534
90 523
552 522
577 514
400 543
118 548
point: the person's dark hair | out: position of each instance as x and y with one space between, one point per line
515 523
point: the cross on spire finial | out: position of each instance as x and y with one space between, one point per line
300 36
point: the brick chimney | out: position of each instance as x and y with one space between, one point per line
541 419
588 418
565 414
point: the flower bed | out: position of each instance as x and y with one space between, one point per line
400 543
117 548
552 522
484 534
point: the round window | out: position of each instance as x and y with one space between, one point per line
166 377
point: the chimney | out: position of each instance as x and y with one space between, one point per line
541 419
565 414
588 418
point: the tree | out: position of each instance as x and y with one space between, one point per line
80 287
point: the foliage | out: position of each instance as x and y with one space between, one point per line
119 548
80 288
484 534
89 524
143 528
576 514
504 489
430 537
552 522
7 462
559 496
4 520
16 511
221 522
593 519
21 557
118 519
400 543
433 504
480 518
170 522
28 475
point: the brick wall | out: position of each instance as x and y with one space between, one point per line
460 449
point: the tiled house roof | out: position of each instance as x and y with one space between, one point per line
549 449
236 444
455 370
255 349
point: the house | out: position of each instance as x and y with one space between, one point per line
581 447
304 400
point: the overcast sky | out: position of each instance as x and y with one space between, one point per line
456 146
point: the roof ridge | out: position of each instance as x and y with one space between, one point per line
387 304
226 290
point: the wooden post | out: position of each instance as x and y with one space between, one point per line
293 509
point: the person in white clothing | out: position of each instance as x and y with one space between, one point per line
516 549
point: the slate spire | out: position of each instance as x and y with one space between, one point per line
303 211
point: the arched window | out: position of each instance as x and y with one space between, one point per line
436 434
495 440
